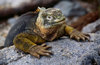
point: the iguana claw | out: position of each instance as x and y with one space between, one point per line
79 35
40 50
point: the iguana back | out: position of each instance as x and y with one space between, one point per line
22 23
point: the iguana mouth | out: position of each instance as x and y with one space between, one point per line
54 24
61 20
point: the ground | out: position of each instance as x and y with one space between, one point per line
66 52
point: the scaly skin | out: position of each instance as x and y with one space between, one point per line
27 43
76 34
49 25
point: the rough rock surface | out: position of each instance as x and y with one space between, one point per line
3 33
2 41
69 8
18 7
66 52
91 27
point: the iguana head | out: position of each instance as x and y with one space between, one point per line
49 22
50 17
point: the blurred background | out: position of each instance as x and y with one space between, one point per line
81 14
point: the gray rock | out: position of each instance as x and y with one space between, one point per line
98 32
69 8
13 4
12 21
2 39
91 27
66 52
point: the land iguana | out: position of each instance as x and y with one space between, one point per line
33 29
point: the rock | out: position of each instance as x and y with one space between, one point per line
69 8
9 8
2 39
97 30
66 52
92 59
12 20
91 27
4 29
3 33
94 37
8 55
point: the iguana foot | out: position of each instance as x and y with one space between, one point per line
40 50
79 35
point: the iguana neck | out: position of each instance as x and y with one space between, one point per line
48 34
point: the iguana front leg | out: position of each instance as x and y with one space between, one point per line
27 43
75 33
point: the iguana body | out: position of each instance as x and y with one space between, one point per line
33 29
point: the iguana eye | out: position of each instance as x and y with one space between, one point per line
49 17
